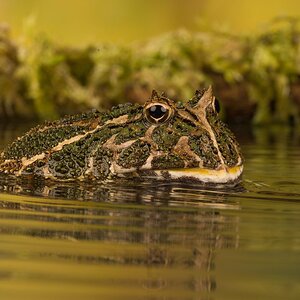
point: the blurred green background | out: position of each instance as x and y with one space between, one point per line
123 21
62 57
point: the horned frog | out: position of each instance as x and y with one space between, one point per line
161 139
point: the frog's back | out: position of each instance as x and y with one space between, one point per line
45 137
62 149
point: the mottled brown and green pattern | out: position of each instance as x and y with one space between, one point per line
162 139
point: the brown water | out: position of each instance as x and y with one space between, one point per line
154 240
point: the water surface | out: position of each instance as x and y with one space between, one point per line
156 240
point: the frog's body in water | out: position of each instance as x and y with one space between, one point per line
160 139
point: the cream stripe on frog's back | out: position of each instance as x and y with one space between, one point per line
28 161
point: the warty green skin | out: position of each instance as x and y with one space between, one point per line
126 142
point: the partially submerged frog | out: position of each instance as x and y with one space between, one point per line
161 139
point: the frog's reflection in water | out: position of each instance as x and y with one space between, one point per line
172 230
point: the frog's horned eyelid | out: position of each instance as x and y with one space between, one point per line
165 105
203 98
154 95
201 92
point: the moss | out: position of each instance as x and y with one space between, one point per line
79 62
41 79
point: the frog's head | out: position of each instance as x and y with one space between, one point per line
171 140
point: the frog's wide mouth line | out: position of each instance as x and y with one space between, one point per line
203 175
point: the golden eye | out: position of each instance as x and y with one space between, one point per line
157 113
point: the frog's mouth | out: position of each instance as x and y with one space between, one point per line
223 175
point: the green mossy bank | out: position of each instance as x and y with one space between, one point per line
256 77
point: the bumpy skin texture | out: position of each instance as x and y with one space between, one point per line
129 140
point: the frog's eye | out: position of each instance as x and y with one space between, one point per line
217 105
157 113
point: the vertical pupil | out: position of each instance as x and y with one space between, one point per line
157 111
